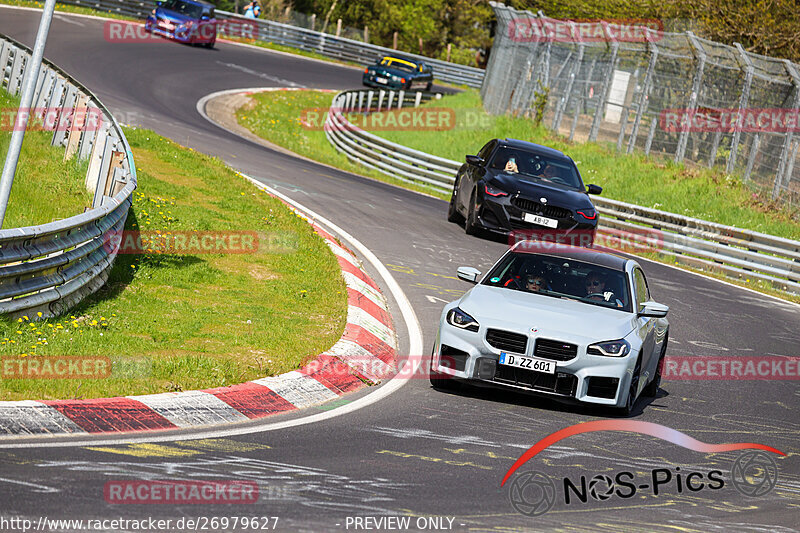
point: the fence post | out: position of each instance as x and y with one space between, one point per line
752 159
743 100
712 156
645 94
313 21
601 104
623 124
683 140
652 133
366 34
394 40
339 27
787 139
564 102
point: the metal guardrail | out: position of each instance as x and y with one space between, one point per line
304 39
51 267
736 252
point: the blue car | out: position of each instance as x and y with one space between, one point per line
397 72
185 21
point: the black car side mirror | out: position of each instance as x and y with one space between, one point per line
475 160
594 189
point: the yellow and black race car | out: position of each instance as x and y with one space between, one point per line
398 72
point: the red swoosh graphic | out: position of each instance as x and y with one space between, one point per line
645 428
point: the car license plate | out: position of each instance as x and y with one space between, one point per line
381 80
166 25
529 363
542 221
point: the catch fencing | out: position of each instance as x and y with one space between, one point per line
734 252
629 89
51 267
339 48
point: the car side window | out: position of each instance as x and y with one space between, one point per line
487 150
642 292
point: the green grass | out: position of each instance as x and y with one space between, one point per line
182 322
708 194
277 116
67 9
46 188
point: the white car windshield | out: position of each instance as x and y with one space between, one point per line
536 166
562 278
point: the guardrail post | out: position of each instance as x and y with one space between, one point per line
391 98
77 126
5 52
400 99
752 159
749 70
787 139
644 95
15 81
66 115
683 140
96 157
601 104
89 134
370 94
45 90
360 101
380 100
418 99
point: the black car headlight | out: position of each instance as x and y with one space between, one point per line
458 318
492 190
618 348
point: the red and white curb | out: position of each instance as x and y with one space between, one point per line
365 354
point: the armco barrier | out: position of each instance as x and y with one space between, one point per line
304 39
736 252
51 267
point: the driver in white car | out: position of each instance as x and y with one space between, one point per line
596 289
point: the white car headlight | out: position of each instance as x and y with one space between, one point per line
618 348
458 318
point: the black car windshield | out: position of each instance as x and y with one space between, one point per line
562 278
399 64
184 8
516 161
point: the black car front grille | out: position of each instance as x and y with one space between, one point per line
507 340
559 383
537 208
555 350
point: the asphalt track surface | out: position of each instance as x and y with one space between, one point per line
417 452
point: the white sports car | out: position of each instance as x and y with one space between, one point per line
567 322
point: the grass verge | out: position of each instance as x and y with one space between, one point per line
276 116
64 8
183 322
46 188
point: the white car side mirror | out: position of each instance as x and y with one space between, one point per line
653 309
469 274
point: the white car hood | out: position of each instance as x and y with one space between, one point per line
557 318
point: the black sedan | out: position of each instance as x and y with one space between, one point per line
397 72
515 187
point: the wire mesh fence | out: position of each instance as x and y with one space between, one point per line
632 84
